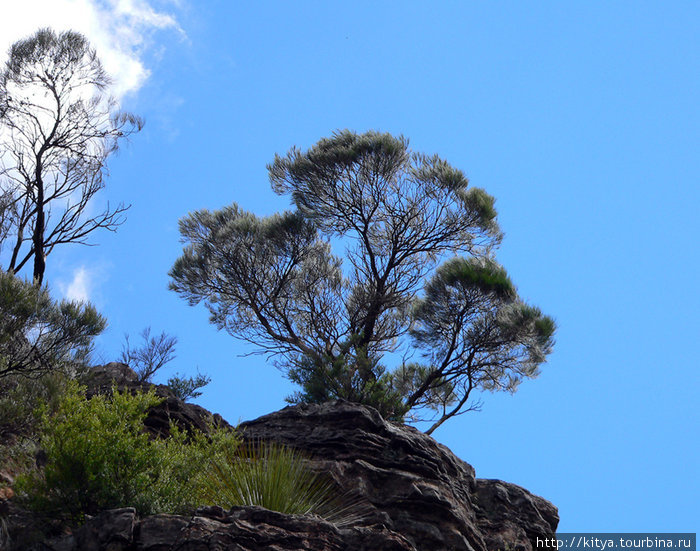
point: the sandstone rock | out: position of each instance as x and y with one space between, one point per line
213 529
25 531
161 533
411 493
510 516
111 530
255 529
428 494
100 379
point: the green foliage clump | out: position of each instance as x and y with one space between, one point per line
21 396
331 378
19 423
39 334
43 343
98 456
185 388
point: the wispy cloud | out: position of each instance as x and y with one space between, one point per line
120 31
80 287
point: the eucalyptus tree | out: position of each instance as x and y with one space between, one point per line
58 126
415 278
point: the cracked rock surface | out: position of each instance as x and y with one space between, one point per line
414 493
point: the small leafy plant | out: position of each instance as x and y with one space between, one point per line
187 387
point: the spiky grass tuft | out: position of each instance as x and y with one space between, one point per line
277 478
4 534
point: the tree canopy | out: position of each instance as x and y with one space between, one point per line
416 278
58 125
40 335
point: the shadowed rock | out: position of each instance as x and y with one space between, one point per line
101 379
414 493
415 486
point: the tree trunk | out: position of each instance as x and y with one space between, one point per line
39 227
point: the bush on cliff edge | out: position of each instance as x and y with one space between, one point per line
98 456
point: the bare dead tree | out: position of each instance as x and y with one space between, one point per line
58 126
151 356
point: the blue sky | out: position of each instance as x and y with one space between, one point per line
581 118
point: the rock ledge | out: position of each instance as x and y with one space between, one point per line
416 494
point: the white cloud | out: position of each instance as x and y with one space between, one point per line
80 287
120 31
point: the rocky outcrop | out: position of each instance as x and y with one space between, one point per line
507 513
212 528
101 380
412 484
411 493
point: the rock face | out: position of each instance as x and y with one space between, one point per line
101 379
508 513
413 485
413 493
213 529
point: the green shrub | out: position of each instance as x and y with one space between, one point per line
21 396
187 387
98 456
181 460
39 334
19 423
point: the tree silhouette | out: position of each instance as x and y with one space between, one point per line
332 322
58 126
